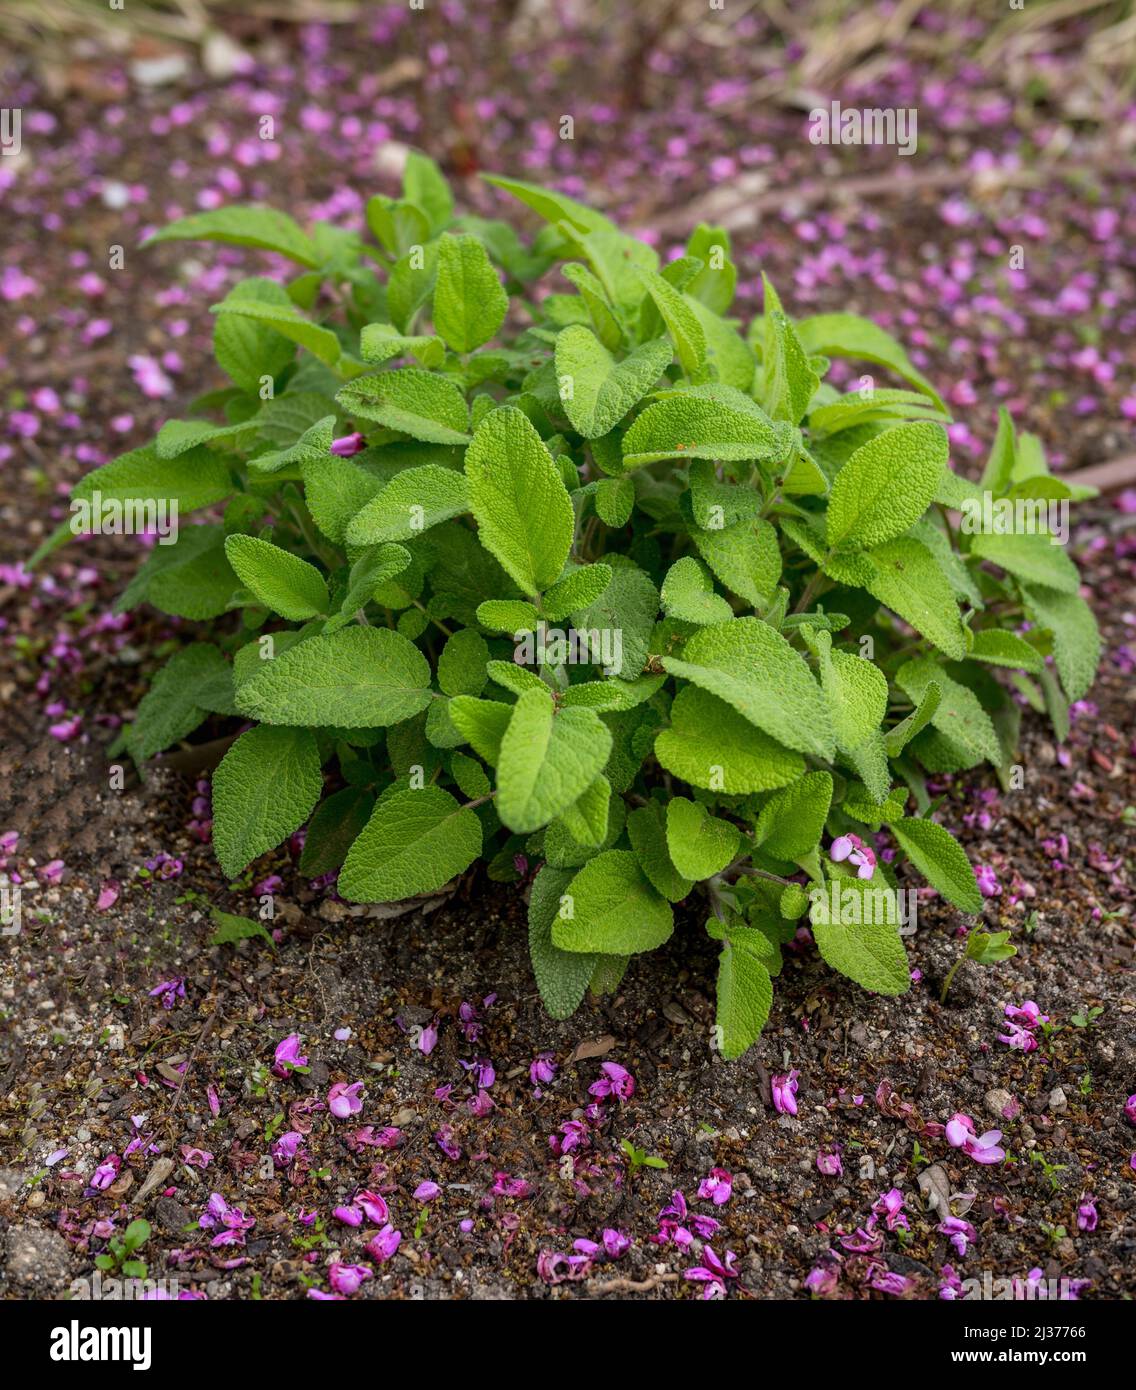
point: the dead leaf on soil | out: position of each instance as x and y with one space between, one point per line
592 1047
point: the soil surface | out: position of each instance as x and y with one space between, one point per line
119 1098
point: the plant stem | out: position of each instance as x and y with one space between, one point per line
951 973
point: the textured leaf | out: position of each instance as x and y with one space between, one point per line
380 342
907 580
561 976
856 407
647 831
746 558
412 502
524 515
615 501
1076 637
265 228
172 707
940 859
546 762
469 301
191 579
614 909
335 491
421 404
288 321
999 648
688 594
900 735
415 842
700 845
865 943
482 723
849 335
280 580
682 323
264 789
586 820
461 665
358 678
197 479
595 389
752 667
425 186
1033 558
248 351
887 484
628 606
684 426
958 714
710 745
744 999
338 819
790 823
577 590
788 379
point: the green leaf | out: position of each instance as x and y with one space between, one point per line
1032 558
908 580
647 830
700 845
1076 637
248 351
358 678
412 502
191 579
338 819
604 322
790 824
900 735
577 590
725 425
744 998
856 690
482 723
424 184
264 789
788 379
754 669
280 580
849 335
421 404
415 842
864 943
856 407
614 500
710 745
612 908
511 616
561 976
595 389
336 490
172 707
197 479
999 648
688 594
940 859
469 301
1003 454
681 321
264 228
231 928
288 321
524 514
745 557
461 665
547 761
552 206
958 714
626 609
380 342
586 820
887 484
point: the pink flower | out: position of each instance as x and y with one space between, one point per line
66 729
1029 1015
345 1100
373 1206
713 1272
961 1232
426 1191
542 1069
196 1158
890 1206
830 1165
52 872
285 1149
987 879
717 1188
108 896
1130 1109
106 1173
428 1039
822 1280
170 991
384 1243
616 1243
288 1057
1087 1215
852 848
350 1216
506 1186
616 1081
348 444
447 1142
1018 1038
983 1148
346 1279
785 1093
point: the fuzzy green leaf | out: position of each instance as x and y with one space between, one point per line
700 845
595 389
469 301
412 502
940 859
887 484
710 745
561 976
264 789
418 403
612 908
547 761
280 580
415 842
